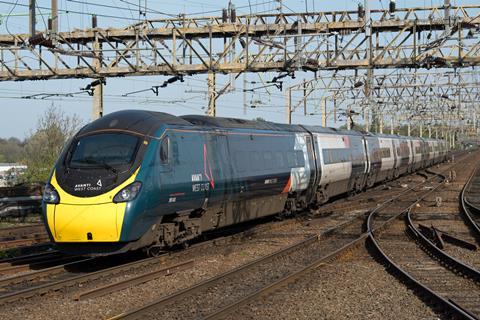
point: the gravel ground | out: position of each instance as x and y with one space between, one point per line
213 261
354 287
447 216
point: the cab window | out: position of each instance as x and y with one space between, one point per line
164 151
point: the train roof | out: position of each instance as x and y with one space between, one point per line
220 122
318 129
260 125
138 121
148 122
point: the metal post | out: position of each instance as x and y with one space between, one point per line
380 125
366 117
349 118
421 130
212 112
54 16
391 125
429 131
446 14
244 93
304 98
368 84
474 120
288 95
32 22
97 110
335 107
324 112
409 129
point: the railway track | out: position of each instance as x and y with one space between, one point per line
414 254
470 202
32 262
57 277
221 295
17 289
13 237
85 270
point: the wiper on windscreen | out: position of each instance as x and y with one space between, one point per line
101 163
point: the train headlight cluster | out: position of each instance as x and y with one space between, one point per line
50 195
128 193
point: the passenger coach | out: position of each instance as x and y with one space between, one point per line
141 179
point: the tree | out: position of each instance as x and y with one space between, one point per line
11 150
259 119
43 147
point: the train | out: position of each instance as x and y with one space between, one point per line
148 180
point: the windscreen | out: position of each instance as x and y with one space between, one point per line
103 150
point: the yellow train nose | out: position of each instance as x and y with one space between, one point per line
80 223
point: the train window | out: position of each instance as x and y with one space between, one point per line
241 159
291 159
279 163
267 157
326 156
164 150
102 150
256 161
300 159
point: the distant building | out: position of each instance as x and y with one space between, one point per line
10 172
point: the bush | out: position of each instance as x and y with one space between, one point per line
43 147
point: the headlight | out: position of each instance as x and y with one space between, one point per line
128 193
50 195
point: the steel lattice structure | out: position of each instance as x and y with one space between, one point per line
445 99
410 37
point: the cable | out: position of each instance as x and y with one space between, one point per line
8 16
76 12
152 10
43 19
240 7
101 5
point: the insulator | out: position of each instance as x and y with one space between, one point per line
361 11
392 6
233 14
224 15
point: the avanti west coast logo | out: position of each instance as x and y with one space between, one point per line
88 186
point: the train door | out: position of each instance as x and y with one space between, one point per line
314 171
411 156
367 156
217 167
179 169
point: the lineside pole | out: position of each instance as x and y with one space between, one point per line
288 98
97 110
54 16
212 109
32 20
324 112
368 85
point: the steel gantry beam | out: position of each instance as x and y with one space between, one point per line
409 37
438 97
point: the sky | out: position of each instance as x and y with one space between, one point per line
19 116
